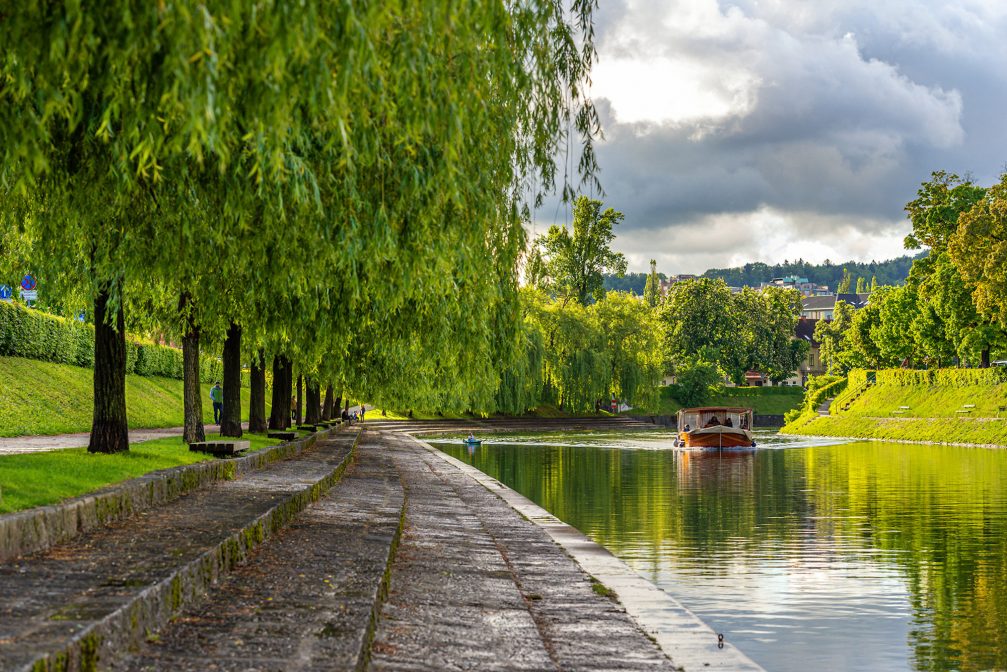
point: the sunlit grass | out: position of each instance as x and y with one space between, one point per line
36 479
41 398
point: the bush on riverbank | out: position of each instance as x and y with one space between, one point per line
764 400
47 398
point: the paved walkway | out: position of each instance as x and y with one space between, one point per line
475 586
15 445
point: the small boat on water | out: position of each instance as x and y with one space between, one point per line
472 441
715 428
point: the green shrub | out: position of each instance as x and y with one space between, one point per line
942 377
33 334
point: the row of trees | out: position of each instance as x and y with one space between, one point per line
952 309
332 187
581 344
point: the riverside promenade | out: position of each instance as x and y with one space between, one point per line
367 549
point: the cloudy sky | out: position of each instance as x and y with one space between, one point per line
764 130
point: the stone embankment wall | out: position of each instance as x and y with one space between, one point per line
33 530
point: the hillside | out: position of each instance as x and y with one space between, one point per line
47 398
891 272
939 410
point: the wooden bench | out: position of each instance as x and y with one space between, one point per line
220 448
968 405
283 436
963 411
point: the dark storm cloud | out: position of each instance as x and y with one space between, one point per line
820 117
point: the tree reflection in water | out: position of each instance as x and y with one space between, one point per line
867 555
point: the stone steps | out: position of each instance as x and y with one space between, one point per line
308 598
82 604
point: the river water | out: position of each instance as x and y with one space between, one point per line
806 555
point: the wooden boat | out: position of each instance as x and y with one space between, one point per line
715 428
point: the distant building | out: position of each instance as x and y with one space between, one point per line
681 277
802 285
822 307
812 364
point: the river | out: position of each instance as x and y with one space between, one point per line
806 555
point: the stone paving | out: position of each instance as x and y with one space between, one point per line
94 597
475 586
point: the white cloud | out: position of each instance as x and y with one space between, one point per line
767 235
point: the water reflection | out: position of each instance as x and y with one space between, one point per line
863 556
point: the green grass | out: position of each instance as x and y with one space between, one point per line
37 479
932 415
45 398
985 431
763 400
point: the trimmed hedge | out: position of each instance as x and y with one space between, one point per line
36 335
942 377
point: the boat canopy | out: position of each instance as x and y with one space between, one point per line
713 416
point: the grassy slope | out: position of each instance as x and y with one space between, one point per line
37 479
764 400
931 415
45 398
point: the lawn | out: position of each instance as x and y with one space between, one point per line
37 479
45 398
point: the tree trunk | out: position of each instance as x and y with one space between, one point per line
300 398
327 406
192 401
279 418
109 429
257 394
313 397
985 358
230 416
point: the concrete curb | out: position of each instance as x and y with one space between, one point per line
33 530
152 608
689 642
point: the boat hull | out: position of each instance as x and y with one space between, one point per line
739 439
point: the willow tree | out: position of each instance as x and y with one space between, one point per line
379 143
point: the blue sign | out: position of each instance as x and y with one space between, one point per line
6 292
28 283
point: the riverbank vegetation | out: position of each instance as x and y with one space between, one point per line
939 405
950 312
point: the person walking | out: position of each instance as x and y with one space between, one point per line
217 397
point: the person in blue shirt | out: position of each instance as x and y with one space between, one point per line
217 397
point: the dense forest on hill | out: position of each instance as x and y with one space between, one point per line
890 272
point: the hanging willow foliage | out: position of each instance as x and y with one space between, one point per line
344 180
